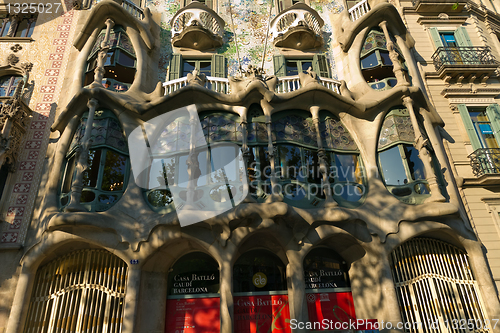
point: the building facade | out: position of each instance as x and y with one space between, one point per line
249 166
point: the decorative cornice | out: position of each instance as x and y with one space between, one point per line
433 20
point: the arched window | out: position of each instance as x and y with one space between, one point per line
376 65
259 283
8 85
194 279
120 62
435 285
106 178
327 287
402 170
219 172
80 292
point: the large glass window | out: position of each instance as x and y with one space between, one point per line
119 64
106 178
8 85
83 291
400 165
376 65
435 286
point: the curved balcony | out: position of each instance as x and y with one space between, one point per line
298 27
197 27
285 84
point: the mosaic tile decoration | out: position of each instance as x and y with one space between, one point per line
49 54
250 19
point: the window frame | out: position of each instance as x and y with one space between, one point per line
69 170
11 87
31 24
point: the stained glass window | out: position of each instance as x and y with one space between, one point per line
105 178
120 63
402 169
335 136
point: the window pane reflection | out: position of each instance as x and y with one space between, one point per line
91 174
392 167
114 171
415 165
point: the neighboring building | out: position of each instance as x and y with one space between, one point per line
360 204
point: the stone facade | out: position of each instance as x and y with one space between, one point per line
114 62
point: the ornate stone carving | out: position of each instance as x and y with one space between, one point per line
26 66
196 78
309 77
12 59
241 82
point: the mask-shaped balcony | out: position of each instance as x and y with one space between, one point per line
197 27
298 27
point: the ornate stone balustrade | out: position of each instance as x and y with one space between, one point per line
358 10
285 84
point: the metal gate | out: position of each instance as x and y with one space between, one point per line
80 292
436 289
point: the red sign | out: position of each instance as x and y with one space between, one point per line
335 307
261 314
193 315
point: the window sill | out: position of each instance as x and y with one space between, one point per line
17 39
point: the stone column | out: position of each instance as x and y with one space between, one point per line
103 53
296 288
82 161
131 298
397 68
19 308
14 22
423 152
324 167
226 297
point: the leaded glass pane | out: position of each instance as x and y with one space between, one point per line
115 137
294 129
221 128
126 44
257 132
394 129
374 39
335 136
415 164
97 44
175 137
92 173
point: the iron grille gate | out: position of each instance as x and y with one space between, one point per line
80 292
435 287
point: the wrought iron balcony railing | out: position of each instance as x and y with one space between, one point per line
485 161
463 56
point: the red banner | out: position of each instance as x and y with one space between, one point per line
261 314
335 307
193 315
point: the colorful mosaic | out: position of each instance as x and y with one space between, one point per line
250 18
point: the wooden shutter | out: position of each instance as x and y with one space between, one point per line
469 126
462 37
436 38
218 65
320 65
279 64
493 113
175 69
